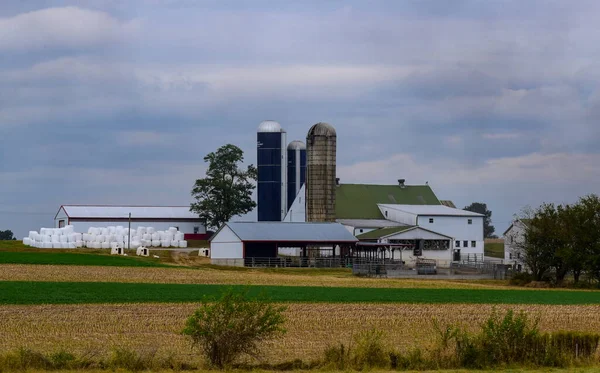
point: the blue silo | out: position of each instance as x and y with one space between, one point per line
296 170
272 171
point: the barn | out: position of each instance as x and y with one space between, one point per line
82 217
236 242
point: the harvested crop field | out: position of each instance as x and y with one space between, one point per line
311 327
211 275
111 292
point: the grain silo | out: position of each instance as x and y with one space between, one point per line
320 173
296 171
272 171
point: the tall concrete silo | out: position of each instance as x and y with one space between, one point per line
321 143
272 171
296 171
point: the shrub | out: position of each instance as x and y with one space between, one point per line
233 325
337 357
370 350
521 278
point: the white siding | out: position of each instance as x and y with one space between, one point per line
458 228
226 245
512 237
297 211
184 227
416 234
61 216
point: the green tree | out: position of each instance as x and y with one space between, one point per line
226 191
481 208
232 326
7 235
587 234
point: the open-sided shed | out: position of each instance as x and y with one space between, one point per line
236 241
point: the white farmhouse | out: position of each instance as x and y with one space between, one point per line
514 238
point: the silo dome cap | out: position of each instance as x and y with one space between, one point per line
322 129
269 126
296 144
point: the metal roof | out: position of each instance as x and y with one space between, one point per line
287 232
140 212
434 210
321 129
370 223
392 231
297 144
269 126
359 201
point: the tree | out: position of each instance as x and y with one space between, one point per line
226 191
481 208
232 326
7 235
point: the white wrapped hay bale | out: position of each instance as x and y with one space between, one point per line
119 238
100 238
135 244
63 239
72 245
165 243
141 231
155 237
183 243
69 229
104 231
150 230
43 231
27 241
174 243
173 230
55 238
155 243
86 237
78 236
112 230
105 245
78 244
46 238
146 236
179 236
168 236
146 242
32 235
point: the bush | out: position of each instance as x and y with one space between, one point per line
337 357
370 350
232 326
521 279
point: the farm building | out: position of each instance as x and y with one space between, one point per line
82 217
513 238
363 208
234 243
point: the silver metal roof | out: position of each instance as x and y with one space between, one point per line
296 144
438 210
370 223
146 212
322 129
280 231
269 126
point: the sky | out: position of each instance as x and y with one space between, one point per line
118 102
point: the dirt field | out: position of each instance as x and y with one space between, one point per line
311 327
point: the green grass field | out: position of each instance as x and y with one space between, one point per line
62 258
13 292
494 249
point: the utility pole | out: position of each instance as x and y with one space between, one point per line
129 234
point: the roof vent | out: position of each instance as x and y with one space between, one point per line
401 182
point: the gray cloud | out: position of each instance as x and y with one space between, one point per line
118 102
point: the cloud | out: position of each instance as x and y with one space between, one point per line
500 136
67 27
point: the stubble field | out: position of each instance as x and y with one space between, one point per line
310 327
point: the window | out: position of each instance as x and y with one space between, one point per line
509 255
473 243
360 230
196 230
386 213
61 223
470 221
457 243
465 243
430 220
